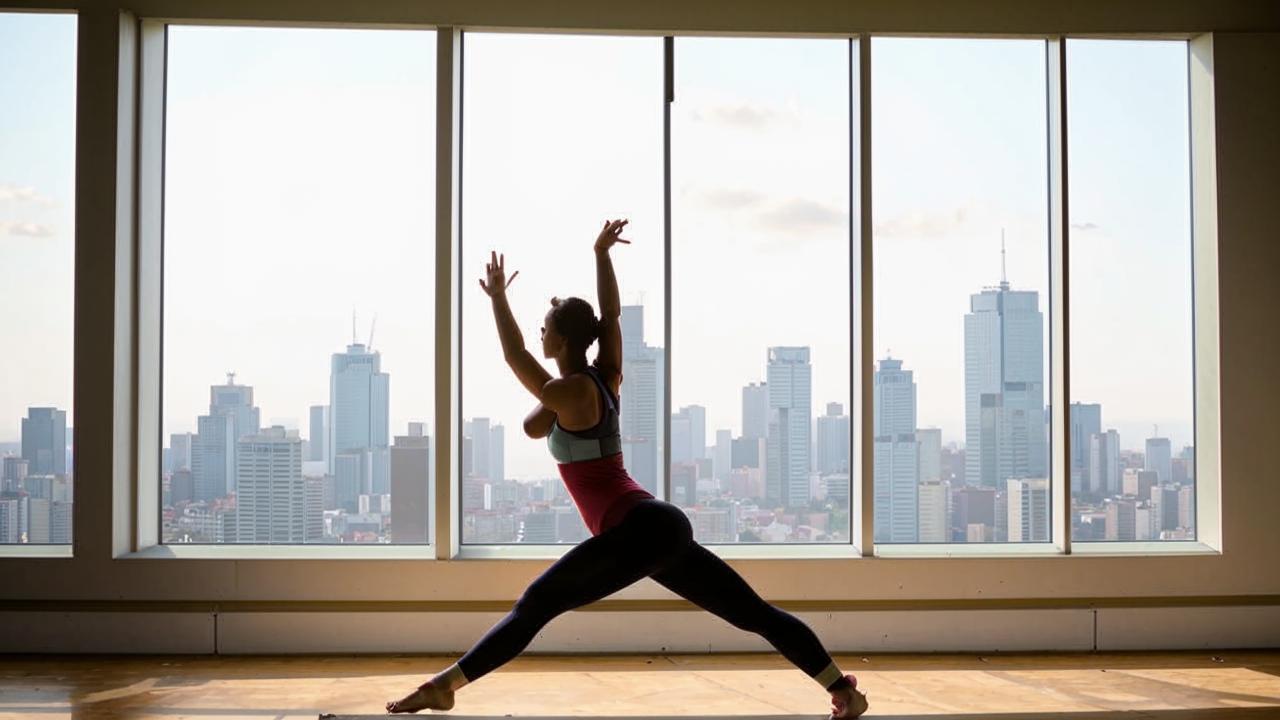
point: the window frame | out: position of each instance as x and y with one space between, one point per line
122 311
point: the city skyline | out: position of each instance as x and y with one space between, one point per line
959 141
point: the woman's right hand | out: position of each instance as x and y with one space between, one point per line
610 234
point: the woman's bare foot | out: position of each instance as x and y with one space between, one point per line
847 703
426 696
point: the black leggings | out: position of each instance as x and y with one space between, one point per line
654 539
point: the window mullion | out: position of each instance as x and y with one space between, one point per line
864 510
1059 295
448 302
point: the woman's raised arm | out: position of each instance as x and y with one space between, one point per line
609 359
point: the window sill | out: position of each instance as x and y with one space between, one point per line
283 552
986 550
745 551
1162 548
35 551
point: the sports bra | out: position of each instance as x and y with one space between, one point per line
600 440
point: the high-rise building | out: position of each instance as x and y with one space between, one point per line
1122 519
1164 509
1004 387
318 449
1104 464
180 445
973 506
1028 507
271 500
44 441
15 470
359 411
723 455
497 453
478 430
689 434
934 521
930 440
1159 457
790 387
640 400
1187 507
232 416
897 454
755 410
410 486
1086 421
833 440
1138 483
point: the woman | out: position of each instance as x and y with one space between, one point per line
634 535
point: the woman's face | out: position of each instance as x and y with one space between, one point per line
551 340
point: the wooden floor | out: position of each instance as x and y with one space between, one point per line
1161 686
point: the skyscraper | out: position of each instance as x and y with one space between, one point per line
319 435
833 440
180 451
497 453
44 441
640 400
930 440
410 486
933 512
271 498
688 434
1028 507
360 414
478 430
723 455
790 386
1004 387
232 416
1159 457
1086 421
755 410
896 454
1104 464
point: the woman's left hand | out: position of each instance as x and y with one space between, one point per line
610 233
495 271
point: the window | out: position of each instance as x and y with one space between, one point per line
559 133
298 335
760 289
37 260
1132 413
961 420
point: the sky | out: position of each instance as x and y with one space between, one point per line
300 186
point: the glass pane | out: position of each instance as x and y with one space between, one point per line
299 219
1132 412
37 260
760 289
559 134
961 280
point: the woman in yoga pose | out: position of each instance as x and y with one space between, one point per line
634 535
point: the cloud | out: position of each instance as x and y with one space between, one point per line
722 199
798 214
923 224
738 115
1084 227
25 229
18 193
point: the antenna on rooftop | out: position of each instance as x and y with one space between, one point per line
372 326
1004 277
231 378
353 324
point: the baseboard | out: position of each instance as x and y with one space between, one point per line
876 631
